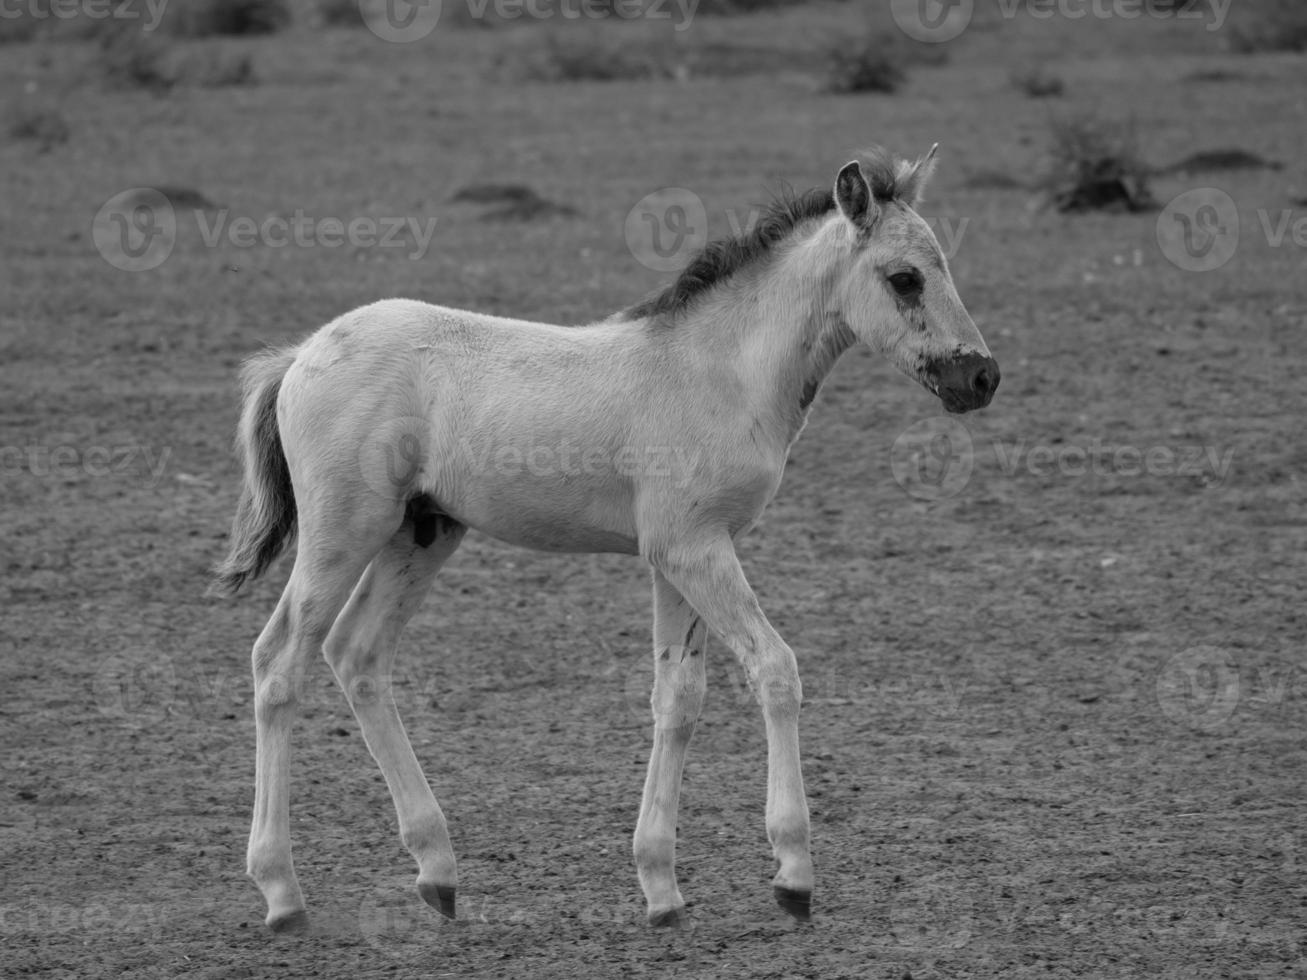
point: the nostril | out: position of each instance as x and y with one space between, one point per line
981 382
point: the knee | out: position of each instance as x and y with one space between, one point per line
275 684
778 687
356 668
274 639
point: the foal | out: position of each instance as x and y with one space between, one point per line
387 434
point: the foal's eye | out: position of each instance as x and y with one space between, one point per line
906 283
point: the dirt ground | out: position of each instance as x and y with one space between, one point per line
1054 707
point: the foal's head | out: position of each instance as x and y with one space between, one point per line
895 291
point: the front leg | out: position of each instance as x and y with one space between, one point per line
679 684
709 575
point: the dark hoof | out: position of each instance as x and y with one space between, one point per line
795 901
292 924
668 918
439 897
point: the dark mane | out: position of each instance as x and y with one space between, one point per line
721 259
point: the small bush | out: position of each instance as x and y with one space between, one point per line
340 13
872 65
577 59
20 29
209 18
1271 25
1038 82
130 58
1096 165
219 68
42 124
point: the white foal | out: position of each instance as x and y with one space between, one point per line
661 431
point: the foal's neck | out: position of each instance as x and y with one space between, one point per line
779 324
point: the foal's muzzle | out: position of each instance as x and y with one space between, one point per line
964 382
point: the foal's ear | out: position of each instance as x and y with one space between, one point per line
853 195
914 178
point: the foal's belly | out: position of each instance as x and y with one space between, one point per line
546 515
554 537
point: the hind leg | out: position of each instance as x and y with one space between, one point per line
331 557
679 686
361 650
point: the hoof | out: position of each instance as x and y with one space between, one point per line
439 897
672 918
795 901
290 924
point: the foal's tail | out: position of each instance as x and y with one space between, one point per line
265 517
